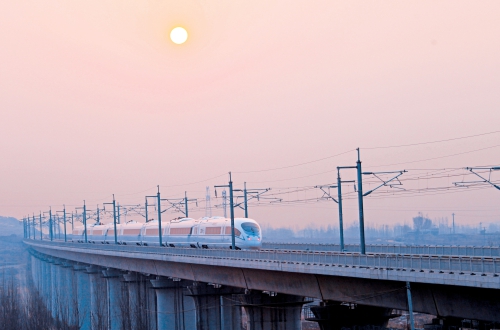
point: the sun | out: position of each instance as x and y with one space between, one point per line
179 35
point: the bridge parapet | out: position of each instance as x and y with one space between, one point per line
449 250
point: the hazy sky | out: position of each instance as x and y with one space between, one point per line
95 99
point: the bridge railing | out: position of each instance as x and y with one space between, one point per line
390 261
444 250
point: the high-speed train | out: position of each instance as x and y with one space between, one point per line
205 233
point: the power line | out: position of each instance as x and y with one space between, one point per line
290 166
423 160
431 142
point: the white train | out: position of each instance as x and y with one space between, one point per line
186 232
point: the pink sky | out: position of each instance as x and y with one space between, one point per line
96 100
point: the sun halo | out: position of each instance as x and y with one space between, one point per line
178 35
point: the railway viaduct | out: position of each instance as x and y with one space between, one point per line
136 287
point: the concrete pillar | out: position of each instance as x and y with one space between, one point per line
39 274
151 305
45 283
70 294
48 284
53 289
333 315
230 312
117 299
98 298
83 297
33 271
209 311
170 303
60 289
273 311
137 300
189 310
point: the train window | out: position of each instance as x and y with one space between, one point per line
250 228
236 231
131 231
152 232
213 230
180 231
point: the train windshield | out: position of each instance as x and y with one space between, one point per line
250 228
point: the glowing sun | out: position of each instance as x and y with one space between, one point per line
179 35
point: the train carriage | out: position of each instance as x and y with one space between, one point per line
208 233
130 233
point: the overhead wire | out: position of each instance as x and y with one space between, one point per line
432 142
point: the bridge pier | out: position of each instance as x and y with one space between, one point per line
117 301
174 311
211 314
271 311
151 303
98 298
138 310
47 283
68 294
83 297
333 315
53 288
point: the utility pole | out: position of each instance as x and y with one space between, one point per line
34 227
186 201
360 206
249 194
208 204
180 204
231 208
158 204
50 224
98 218
224 202
453 217
361 195
64 215
113 203
85 220
231 211
41 234
245 196
327 195
159 216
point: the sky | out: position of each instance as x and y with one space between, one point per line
96 100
